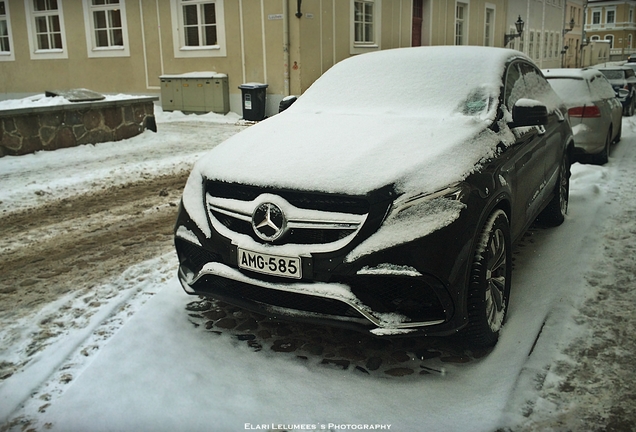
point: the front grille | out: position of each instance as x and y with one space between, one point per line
339 216
306 200
408 296
240 291
295 236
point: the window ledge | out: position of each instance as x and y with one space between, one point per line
111 48
200 48
49 51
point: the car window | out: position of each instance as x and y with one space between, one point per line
515 86
601 88
573 91
629 73
613 74
537 86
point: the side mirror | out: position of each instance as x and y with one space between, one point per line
529 112
286 103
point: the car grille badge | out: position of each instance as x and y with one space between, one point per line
268 222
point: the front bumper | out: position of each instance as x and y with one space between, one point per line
388 293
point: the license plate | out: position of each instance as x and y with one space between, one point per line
275 265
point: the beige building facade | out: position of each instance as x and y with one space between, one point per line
613 21
125 46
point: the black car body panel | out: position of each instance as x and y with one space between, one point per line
360 266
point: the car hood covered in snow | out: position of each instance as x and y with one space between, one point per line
352 154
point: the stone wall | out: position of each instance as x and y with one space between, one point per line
27 130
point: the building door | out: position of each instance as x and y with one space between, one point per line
416 37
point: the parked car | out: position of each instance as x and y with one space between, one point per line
383 200
623 81
595 113
631 65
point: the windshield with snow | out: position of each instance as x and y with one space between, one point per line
425 83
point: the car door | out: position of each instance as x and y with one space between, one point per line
526 168
553 137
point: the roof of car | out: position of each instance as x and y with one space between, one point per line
612 67
571 73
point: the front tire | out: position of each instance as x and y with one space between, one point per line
554 213
603 157
629 109
489 282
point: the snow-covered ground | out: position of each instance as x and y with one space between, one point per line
136 362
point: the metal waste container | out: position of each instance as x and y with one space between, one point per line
254 97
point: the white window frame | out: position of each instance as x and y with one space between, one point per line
178 35
607 12
489 27
531 43
359 47
595 13
463 21
44 54
610 39
89 25
7 55
630 40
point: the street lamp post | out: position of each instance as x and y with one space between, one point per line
565 47
519 26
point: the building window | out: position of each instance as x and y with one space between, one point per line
610 39
610 17
488 26
45 25
5 33
629 41
199 28
537 52
365 25
199 23
461 14
48 30
106 29
363 22
631 16
545 44
596 17
531 44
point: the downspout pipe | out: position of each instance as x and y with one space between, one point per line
286 47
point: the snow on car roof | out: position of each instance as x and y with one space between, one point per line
408 81
570 73
572 86
408 117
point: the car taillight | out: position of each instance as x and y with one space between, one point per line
585 111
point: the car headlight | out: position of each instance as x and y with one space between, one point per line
412 217
456 192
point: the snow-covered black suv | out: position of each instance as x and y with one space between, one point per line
383 200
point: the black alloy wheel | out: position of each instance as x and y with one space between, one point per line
489 282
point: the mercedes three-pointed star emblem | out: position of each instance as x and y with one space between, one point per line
268 222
